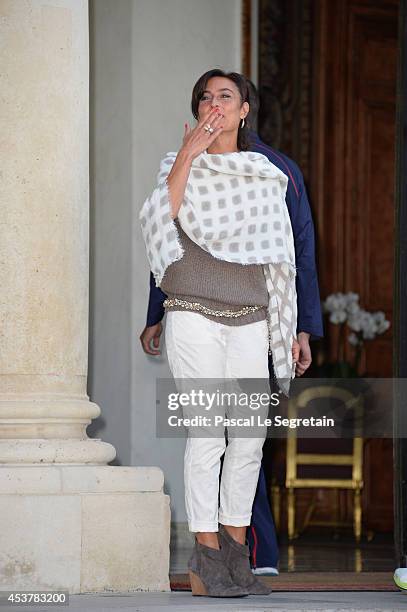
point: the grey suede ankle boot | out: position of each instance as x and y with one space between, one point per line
209 575
237 558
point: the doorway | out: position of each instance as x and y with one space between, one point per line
328 88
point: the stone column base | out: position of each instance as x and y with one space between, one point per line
84 529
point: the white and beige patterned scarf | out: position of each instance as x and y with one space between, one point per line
234 208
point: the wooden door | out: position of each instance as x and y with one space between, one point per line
327 82
352 186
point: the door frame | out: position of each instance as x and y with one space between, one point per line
400 297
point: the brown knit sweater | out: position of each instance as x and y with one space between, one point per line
221 285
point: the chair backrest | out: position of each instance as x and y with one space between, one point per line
344 453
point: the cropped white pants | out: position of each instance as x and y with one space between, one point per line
198 347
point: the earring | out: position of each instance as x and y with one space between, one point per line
242 126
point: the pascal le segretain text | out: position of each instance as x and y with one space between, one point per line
254 420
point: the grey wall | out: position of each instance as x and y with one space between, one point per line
146 56
111 169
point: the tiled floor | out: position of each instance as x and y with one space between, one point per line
312 553
324 554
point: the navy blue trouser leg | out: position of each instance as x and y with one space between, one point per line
261 534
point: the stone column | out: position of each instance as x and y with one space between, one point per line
72 521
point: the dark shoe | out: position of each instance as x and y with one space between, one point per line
237 558
209 575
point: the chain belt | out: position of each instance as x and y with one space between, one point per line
170 302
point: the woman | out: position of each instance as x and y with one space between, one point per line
219 243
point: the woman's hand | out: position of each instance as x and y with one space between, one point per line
197 140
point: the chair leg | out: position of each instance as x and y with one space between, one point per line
309 513
357 515
276 501
291 514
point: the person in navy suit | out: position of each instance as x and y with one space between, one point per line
261 534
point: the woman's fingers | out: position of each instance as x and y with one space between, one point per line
198 139
204 137
215 134
216 124
187 133
210 116
218 119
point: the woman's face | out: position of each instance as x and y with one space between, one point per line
222 92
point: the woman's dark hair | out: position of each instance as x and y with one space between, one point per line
241 83
254 102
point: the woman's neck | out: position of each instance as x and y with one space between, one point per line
224 143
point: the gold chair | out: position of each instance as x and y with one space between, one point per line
353 459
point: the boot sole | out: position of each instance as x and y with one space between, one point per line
199 589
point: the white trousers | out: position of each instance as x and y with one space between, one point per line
198 347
